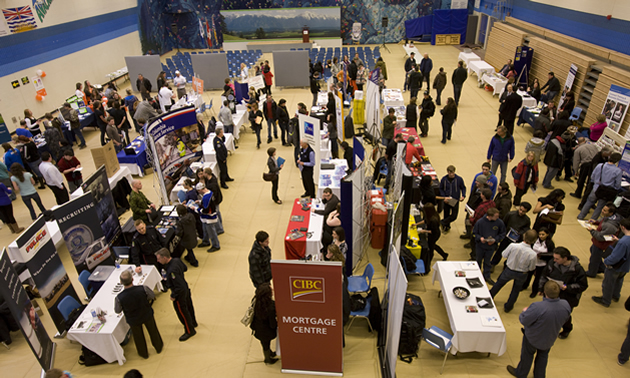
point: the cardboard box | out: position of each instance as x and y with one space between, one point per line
106 155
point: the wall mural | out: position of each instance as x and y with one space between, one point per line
201 24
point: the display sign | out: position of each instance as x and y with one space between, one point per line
38 252
98 186
256 82
198 85
624 163
568 84
616 106
310 131
310 315
5 135
22 309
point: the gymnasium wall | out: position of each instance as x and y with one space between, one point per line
70 40
581 19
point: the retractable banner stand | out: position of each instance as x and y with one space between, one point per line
38 252
174 139
338 118
616 107
79 224
98 186
310 131
24 313
568 84
310 316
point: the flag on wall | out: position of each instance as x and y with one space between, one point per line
19 19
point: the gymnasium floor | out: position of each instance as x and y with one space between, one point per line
222 290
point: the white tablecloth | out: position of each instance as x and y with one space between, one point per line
106 342
336 184
412 49
497 83
239 119
528 101
315 227
123 172
468 57
322 98
209 155
469 335
194 166
479 67
393 97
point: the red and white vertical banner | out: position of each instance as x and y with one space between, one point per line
310 316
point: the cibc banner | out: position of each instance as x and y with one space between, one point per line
310 316
40 256
24 313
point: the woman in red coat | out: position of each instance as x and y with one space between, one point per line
268 75
525 176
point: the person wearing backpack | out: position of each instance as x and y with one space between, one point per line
72 116
427 110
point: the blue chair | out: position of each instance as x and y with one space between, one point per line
361 284
382 171
575 114
362 313
419 270
438 339
84 278
66 305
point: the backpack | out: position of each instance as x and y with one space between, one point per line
357 302
376 313
408 259
413 322
293 131
89 358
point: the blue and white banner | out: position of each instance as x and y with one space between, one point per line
568 84
616 106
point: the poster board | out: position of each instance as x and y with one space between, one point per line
616 107
310 131
256 81
211 68
106 155
149 66
568 84
396 289
624 163
310 315
197 85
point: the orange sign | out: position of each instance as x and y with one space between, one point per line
198 85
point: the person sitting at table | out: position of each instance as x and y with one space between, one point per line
141 207
412 151
542 123
145 242
506 68
553 87
68 165
23 130
534 90
330 200
569 103
135 303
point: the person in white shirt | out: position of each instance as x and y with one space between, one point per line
244 72
180 84
79 93
166 94
54 179
225 116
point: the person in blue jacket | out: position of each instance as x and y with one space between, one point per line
11 155
490 177
501 151
617 266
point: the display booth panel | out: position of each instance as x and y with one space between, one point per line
211 68
147 65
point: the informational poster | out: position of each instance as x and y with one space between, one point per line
338 116
624 164
24 313
256 81
98 186
459 4
310 315
5 135
568 84
81 229
173 138
38 252
616 106
310 132
38 83
198 85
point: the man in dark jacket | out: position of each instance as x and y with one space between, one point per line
501 151
133 301
390 154
330 201
459 77
553 87
426 65
415 81
282 115
315 87
516 220
409 65
568 271
144 87
260 260
146 241
607 226
451 186
554 159
186 229
438 84
508 109
488 232
269 108
221 154
174 269
427 110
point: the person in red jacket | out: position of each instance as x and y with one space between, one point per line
268 75
525 176
411 151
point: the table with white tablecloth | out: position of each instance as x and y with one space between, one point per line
106 341
411 49
469 332
528 101
496 81
392 97
468 57
239 119
194 167
209 155
479 67
123 172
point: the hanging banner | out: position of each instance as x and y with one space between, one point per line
79 224
338 116
173 138
310 131
568 84
98 185
616 106
309 311
24 313
39 253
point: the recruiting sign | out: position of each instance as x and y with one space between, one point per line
568 84
310 315
98 186
38 252
22 309
616 106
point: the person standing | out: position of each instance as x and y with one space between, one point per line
431 222
389 125
6 210
272 164
268 77
134 303
11 155
255 118
141 207
315 86
212 183
438 84
23 182
54 179
411 114
518 221
617 266
567 269
542 323
415 81
69 165
174 270
427 110
101 119
451 185
306 163
521 259
186 229
145 242
144 87
225 116
260 260
525 176
264 324
72 116
426 65
30 155
270 108
554 160
582 158
508 109
449 116
5 178
209 219
222 154
282 116
487 231
161 79
606 176
166 97
624 355
410 63
501 151
459 77
180 83
390 153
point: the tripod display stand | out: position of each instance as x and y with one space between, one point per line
384 23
